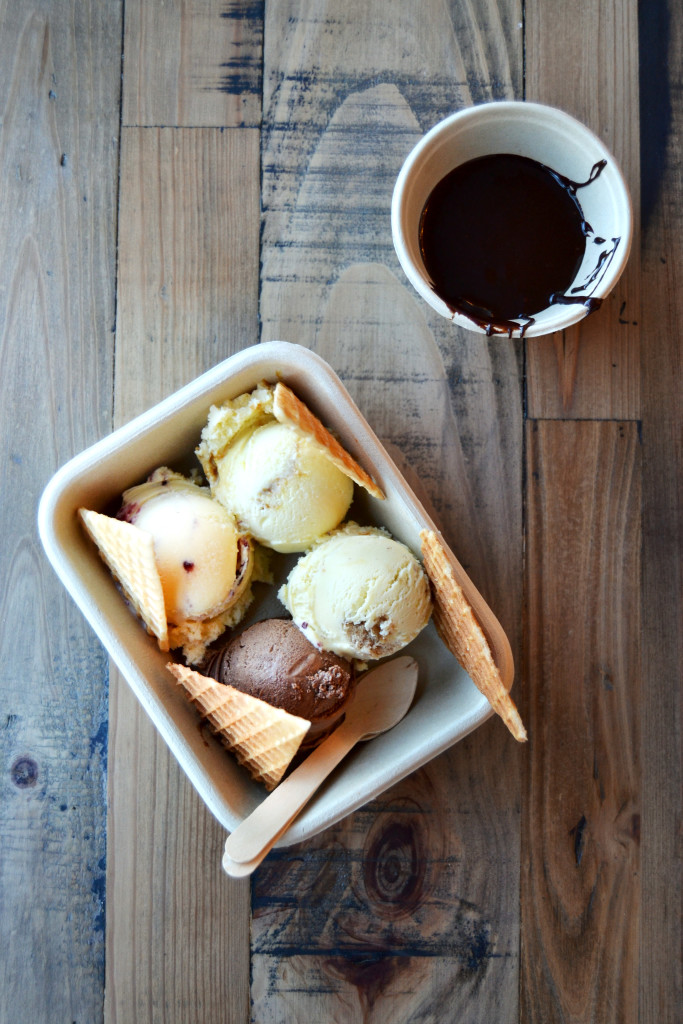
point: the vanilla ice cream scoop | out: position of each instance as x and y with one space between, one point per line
279 483
196 544
358 593
282 488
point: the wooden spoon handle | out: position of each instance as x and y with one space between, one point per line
267 822
241 869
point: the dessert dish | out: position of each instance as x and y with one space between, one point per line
185 558
274 466
448 705
511 218
358 593
179 558
273 660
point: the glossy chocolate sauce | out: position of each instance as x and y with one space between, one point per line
503 237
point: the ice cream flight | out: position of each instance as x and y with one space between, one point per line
186 555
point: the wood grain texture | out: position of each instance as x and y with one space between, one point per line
661 965
188 258
177 927
387 916
347 92
584 60
412 909
193 63
59 94
345 99
582 814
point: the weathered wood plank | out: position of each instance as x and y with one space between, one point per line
193 64
584 59
346 95
177 927
405 911
345 99
582 812
188 257
661 964
59 116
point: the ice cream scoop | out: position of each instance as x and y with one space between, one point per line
273 660
284 486
358 593
195 543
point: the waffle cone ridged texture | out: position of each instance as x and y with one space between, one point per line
264 739
287 408
458 628
129 554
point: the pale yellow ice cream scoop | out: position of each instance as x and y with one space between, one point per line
281 484
359 593
282 488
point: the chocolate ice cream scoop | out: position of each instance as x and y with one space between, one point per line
274 661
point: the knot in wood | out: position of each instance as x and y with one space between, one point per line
394 869
24 772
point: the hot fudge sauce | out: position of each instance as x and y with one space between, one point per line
502 238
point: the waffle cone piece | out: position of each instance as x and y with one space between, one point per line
264 739
287 408
458 628
129 554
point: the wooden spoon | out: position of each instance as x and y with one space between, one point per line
382 698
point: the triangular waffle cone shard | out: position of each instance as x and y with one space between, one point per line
458 628
129 553
287 408
263 738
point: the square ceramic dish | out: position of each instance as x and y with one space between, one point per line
447 705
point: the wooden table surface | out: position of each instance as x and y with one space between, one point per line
181 180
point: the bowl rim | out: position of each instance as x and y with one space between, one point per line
566 316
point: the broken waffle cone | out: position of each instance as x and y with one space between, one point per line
264 739
287 408
129 554
458 628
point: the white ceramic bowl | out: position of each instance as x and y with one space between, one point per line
532 130
447 705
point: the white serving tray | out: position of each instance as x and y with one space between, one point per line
447 704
